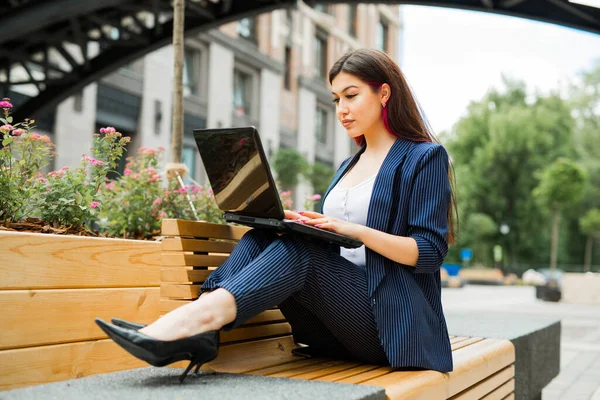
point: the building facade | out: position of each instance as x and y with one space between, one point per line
269 71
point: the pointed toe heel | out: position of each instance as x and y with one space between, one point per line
127 324
198 349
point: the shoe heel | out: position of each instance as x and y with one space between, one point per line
194 362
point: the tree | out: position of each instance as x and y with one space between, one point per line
562 183
320 176
497 148
481 228
289 165
590 225
178 51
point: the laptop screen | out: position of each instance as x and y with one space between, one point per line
238 171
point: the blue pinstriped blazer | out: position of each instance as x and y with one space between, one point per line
411 196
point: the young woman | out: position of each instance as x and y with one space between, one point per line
378 304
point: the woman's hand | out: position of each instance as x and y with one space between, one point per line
331 224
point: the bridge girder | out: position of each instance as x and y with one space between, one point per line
36 33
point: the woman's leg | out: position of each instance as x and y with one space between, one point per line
330 301
331 287
202 315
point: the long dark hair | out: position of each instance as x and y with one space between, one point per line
402 115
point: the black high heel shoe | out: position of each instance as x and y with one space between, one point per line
199 349
126 324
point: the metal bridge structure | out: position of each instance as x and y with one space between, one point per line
57 47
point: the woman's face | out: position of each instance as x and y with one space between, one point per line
358 107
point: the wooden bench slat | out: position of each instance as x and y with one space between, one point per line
365 376
285 366
184 275
243 357
44 364
327 371
347 373
465 343
510 397
472 364
307 368
177 227
253 332
478 361
192 260
183 292
196 245
27 314
457 339
33 261
501 392
487 385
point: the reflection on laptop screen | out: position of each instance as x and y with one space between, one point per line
238 177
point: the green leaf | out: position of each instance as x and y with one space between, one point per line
7 141
9 119
78 198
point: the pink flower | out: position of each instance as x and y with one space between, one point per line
42 180
127 172
34 136
136 176
287 204
45 139
150 170
5 104
18 132
162 215
157 202
108 130
315 197
154 178
64 168
7 128
110 186
94 204
285 194
161 148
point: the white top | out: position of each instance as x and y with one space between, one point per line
352 205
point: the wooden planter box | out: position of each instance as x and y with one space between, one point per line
51 289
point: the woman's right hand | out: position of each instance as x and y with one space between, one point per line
293 215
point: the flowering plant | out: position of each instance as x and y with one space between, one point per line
309 201
134 205
22 155
70 196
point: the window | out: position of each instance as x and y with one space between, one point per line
247 29
382 35
321 55
242 93
321 126
352 20
324 8
190 73
188 157
287 78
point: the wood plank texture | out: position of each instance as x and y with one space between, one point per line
184 275
177 227
253 332
37 365
487 385
196 245
43 261
503 391
37 317
192 260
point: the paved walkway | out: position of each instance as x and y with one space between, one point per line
579 377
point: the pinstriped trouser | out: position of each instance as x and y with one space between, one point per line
322 295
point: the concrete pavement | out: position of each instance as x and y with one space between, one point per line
579 377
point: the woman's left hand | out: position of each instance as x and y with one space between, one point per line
332 224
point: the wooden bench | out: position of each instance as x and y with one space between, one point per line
483 368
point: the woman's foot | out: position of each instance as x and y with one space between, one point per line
210 312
